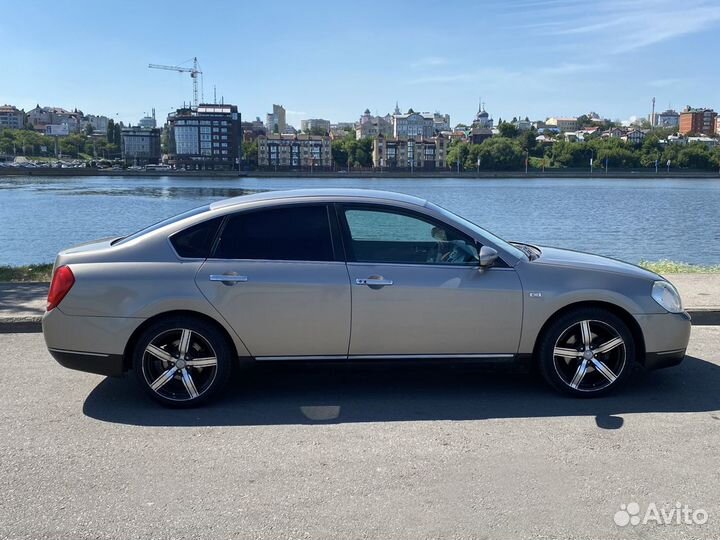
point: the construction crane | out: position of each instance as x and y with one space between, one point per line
194 72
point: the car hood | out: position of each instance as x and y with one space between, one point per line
578 259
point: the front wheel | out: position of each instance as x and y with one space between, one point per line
182 362
586 352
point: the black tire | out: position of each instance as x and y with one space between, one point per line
182 380
586 374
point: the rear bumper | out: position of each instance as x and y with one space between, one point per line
93 344
102 364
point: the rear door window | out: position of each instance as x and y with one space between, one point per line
291 233
196 242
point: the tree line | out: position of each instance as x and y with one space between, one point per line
31 143
510 149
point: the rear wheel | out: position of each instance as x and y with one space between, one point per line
586 352
182 362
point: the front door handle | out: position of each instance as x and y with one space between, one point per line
374 282
228 279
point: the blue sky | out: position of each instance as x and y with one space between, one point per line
332 59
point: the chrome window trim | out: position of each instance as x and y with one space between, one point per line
431 265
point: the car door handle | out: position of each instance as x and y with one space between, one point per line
228 279
374 281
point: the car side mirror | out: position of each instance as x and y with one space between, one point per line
487 257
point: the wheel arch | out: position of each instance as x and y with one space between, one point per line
130 345
624 315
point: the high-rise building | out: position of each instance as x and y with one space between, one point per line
140 145
275 121
206 137
11 117
700 121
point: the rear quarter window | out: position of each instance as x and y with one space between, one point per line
196 242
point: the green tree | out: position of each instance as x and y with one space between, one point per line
339 153
695 156
111 131
458 153
507 130
497 153
250 153
117 135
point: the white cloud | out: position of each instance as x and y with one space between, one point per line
626 25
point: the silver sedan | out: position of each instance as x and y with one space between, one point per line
349 275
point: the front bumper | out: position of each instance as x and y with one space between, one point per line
659 360
666 338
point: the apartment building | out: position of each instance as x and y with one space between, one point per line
562 124
698 121
11 117
294 151
318 126
411 153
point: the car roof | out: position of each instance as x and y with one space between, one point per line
333 193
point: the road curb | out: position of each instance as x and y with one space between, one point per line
33 324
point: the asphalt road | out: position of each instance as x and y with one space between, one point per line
356 452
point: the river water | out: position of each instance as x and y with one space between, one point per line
630 219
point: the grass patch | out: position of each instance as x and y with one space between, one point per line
673 267
31 272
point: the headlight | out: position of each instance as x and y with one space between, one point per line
667 296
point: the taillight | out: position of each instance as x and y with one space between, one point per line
62 281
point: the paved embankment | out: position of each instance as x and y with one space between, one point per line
23 304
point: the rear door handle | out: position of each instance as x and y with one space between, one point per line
374 281
228 279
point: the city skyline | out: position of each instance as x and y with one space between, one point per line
524 58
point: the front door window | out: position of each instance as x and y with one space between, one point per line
380 236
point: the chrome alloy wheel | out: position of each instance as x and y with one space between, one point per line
179 364
589 356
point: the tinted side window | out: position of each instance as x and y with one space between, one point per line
296 233
387 236
195 242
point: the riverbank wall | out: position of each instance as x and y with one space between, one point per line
365 173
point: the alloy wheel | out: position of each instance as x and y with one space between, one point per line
179 364
589 356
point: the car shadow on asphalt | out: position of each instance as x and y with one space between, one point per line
327 394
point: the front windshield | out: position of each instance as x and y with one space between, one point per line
499 242
159 224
